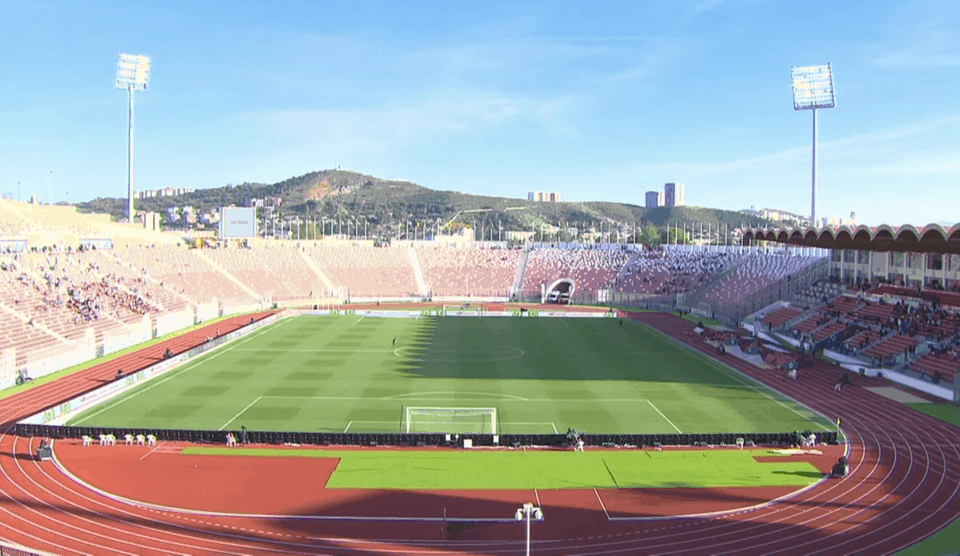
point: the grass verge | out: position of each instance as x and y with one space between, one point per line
944 543
947 412
519 470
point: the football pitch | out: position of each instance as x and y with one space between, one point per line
495 375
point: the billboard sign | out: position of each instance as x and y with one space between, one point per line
236 222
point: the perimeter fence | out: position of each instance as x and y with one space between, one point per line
428 439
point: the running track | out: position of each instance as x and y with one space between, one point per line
903 487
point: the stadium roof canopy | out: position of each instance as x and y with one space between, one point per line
932 238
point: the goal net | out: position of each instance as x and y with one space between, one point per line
477 420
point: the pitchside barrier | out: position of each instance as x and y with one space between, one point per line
447 312
432 439
61 411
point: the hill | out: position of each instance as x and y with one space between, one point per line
388 204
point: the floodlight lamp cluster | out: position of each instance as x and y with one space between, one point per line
133 72
813 87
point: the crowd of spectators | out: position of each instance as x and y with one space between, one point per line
590 269
72 289
668 272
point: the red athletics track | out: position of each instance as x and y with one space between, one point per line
903 487
279 486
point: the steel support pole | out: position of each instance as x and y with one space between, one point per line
813 191
528 531
130 155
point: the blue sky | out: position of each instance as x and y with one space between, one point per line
597 100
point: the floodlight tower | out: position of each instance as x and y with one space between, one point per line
812 90
133 74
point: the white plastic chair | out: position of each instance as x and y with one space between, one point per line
86 440
129 439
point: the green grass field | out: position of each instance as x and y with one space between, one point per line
336 374
441 469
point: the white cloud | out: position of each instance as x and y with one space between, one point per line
917 58
849 144
438 116
932 165
670 45
308 139
925 36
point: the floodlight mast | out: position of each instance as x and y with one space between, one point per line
133 73
812 90
130 155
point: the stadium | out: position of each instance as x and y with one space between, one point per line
330 396
533 355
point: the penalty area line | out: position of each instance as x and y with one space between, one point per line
242 411
664 417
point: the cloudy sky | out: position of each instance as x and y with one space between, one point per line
597 100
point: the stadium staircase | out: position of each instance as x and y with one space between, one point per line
818 293
521 271
155 282
229 276
787 326
316 270
26 321
879 341
634 257
784 289
700 294
108 316
418 272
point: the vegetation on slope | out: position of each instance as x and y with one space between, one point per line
388 205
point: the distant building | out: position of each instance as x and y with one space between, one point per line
674 195
165 192
252 202
653 199
519 236
543 197
777 214
836 221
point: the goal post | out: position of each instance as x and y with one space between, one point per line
476 420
